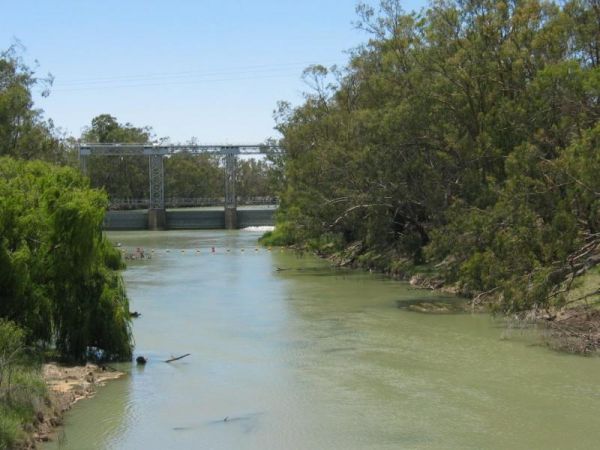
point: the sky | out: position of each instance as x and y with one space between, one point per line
206 69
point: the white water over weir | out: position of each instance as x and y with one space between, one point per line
263 229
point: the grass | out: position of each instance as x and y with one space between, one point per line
10 427
23 392
19 404
590 282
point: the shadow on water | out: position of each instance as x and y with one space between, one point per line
435 305
325 271
339 349
247 422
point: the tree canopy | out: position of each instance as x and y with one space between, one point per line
186 175
465 136
59 277
23 131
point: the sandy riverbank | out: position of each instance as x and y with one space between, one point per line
66 386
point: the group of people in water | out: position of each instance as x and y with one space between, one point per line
139 253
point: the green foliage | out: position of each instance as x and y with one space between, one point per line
22 389
186 175
106 129
12 342
23 132
203 176
282 235
253 179
58 278
124 176
464 136
276 238
193 176
10 428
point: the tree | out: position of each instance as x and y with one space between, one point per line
460 136
59 277
193 176
121 176
253 179
23 132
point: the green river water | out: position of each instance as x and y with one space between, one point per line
315 358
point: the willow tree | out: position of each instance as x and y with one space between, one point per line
59 277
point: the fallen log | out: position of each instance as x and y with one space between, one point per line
179 357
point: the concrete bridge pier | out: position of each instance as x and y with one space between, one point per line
157 219
231 222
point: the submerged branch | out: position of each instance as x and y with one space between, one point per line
179 357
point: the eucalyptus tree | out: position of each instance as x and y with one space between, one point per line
23 131
123 176
193 176
463 135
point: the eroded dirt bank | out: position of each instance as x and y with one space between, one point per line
66 386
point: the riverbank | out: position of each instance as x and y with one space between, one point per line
572 328
66 386
575 330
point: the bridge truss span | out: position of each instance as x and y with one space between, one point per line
156 154
160 149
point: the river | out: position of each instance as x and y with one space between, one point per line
311 357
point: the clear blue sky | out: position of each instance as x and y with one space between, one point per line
212 69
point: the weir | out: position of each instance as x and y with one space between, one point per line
157 217
188 219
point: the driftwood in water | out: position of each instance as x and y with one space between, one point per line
179 357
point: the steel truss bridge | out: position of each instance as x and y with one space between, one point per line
156 154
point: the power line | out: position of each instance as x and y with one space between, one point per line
182 74
174 83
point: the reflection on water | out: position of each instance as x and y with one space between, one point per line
287 353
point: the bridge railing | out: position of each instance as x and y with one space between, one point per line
183 202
